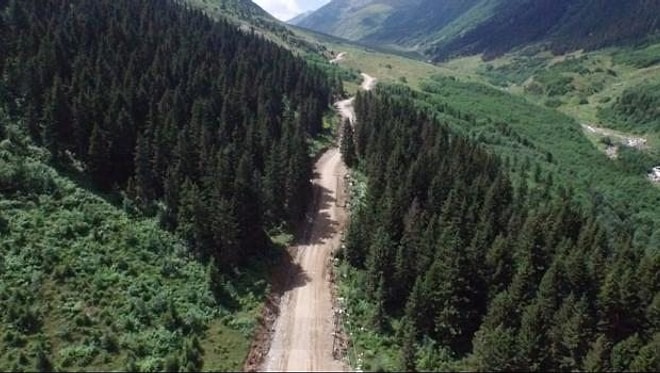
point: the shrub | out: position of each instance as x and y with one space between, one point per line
109 342
607 141
4 225
80 355
553 103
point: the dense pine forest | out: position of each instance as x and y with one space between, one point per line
147 155
465 268
169 106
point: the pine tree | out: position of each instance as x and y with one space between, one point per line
408 349
172 363
569 334
378 318
347 144
647 360
97 158
190 224
494 349
597 358
42 361
498 266
225 230
192 356
143 171
379 261
624 353
530 340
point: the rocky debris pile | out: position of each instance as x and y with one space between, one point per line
654 175
635 142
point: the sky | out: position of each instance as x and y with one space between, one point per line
284 10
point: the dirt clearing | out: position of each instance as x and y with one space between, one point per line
368 82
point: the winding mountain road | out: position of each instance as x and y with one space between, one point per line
345 107
303 334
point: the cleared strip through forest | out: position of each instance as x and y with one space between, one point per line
302 336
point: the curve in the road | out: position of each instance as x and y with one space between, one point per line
303 334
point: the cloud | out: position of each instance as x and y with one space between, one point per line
281 9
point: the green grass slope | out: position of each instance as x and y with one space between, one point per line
611 88
527 134
89 286
355 19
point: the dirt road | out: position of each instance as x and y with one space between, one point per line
303 334
339 57
368 82
302 337
345 107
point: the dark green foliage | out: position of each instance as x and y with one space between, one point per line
494 350
194 122
348 144
42 361
526 133
647 359
565 25
408 343
446 28
85 284
168 105
4 225
637 110
500 277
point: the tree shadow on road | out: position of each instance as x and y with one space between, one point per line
292 275
318 226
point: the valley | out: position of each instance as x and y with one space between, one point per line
528 107
443 30
193 185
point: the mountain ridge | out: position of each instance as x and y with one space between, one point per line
441 29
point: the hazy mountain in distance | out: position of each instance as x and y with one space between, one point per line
297 19
444 28
251 17
355 19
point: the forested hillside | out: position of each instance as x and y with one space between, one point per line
190 125
441 29
249 16
455 264
638 109
170 106
564 25
353 19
